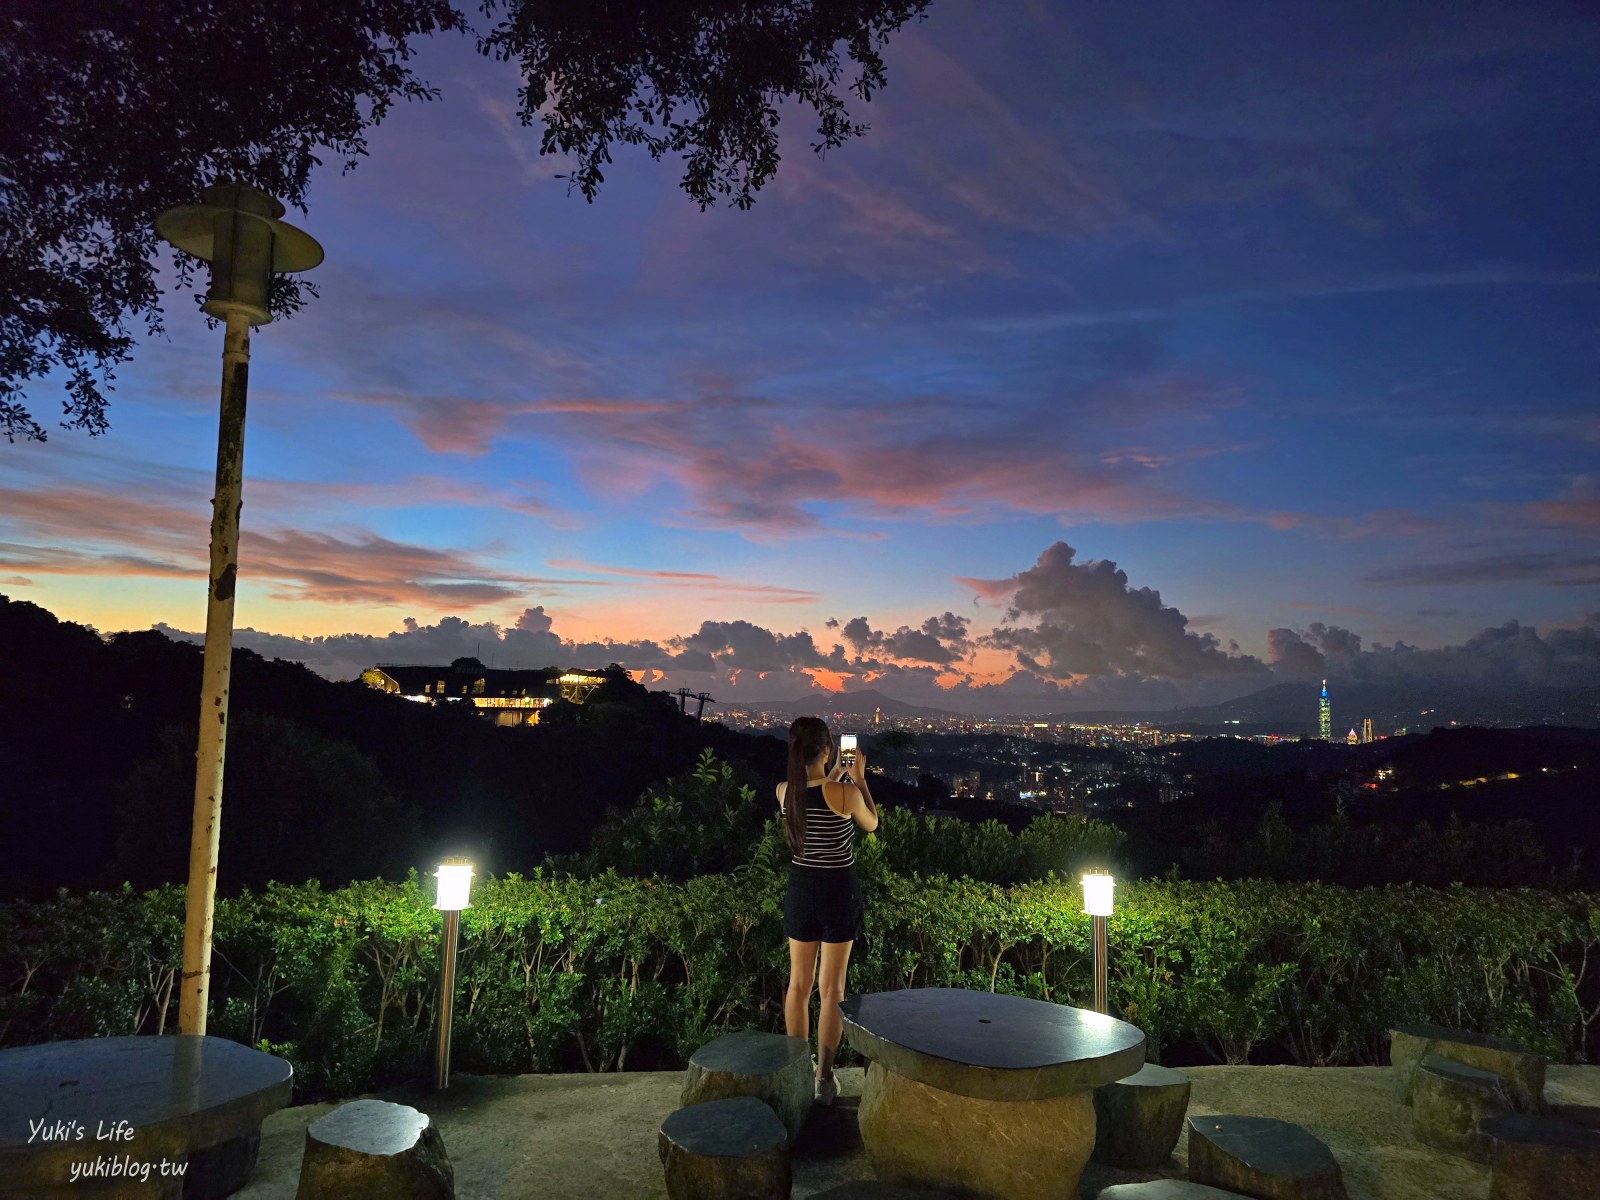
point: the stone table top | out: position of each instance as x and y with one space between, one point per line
145 1097
991 1046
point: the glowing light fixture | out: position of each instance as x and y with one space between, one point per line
1097 887
454 885
454 878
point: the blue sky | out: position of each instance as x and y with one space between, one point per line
1286 310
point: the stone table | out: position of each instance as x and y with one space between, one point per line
134 1116
982 1092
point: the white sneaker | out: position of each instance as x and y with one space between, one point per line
827 1090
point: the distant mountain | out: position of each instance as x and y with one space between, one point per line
1286 708
849 704
1291 708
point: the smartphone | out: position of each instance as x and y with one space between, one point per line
847 751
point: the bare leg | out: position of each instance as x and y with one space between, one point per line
830 990
797 1000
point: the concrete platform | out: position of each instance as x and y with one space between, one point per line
593 1137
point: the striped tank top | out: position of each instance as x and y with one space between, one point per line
829 837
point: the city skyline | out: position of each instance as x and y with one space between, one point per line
1211 386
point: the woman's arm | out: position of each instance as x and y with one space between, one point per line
866 814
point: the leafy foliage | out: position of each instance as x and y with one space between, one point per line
609 972
253 92
1338 851
702 822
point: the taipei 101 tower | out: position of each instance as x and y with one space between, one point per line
1325 715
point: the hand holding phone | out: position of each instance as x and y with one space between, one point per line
847 752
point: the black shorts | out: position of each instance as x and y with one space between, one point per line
823 904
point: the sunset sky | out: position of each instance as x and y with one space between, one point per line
1289 312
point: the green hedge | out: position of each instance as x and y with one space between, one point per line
612 972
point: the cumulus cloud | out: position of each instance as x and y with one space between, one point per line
940 640
1087 621
1316 650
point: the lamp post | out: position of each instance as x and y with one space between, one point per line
1097 887
455 884
236 229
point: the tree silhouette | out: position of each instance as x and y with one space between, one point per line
114 112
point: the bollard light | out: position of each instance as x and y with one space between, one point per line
1097 887
454 880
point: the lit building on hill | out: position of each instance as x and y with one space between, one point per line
1352 738
511 697
1325 715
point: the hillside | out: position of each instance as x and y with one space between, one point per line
325 780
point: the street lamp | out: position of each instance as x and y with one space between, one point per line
1097 887
236 229
454 886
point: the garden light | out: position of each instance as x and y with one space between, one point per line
454 885
454 878
1097 887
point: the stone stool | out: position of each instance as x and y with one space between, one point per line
1138 1119
1167 1189
1261 1157
725 1150
374 1150
1535 1159
1521 1068
1449 1099
774 1069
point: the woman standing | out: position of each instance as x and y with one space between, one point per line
822 907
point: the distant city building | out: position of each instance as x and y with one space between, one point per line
1325 715
504 697
1366 730
1352 739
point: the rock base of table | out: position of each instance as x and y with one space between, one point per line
1138 1119
1521 1068
1262 1157
222 1170
1450 1098
1538 1159
1001 1149
374 1150
734 1149
774 1069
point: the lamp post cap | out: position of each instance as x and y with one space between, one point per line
192 227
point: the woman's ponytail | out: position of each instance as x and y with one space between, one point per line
808 737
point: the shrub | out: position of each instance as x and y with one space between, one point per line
602 973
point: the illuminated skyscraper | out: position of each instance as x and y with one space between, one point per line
1366 730
1325 715
1351 739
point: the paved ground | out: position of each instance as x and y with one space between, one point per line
593 1137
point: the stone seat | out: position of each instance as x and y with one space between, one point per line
874 1189
1521 1068
774 1069
1449 1098
1264 1158
1534 1158
1167 1189
375 1150
733 1149
1138 1118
